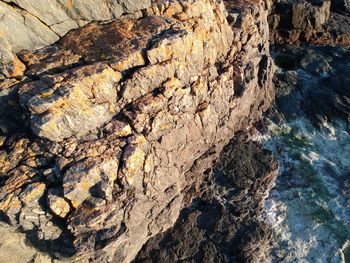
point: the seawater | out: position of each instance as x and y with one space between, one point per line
309 208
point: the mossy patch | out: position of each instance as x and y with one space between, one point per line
292 137
313 180
323 215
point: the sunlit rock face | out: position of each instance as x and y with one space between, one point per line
115 122
43 22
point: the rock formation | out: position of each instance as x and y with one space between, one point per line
41 23
107 132
330 72
223 224
314 22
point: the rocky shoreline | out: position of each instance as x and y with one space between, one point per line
115 141
309 207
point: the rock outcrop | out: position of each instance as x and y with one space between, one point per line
314 22
115 123
43 22
309 135
224 222
323 67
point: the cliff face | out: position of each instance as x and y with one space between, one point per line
106 133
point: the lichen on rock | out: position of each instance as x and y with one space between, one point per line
119 119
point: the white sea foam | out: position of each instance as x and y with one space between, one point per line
309 208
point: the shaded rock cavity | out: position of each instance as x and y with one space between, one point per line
223 224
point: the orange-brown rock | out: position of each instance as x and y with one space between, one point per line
122 118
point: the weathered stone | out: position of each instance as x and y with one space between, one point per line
42 23
224 222
51 13
120 43
79 179
118 128
13 248
32 193
295 21
58 205
134 158
178 83
62 108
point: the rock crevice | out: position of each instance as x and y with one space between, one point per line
116 122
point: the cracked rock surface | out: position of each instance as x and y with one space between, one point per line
42 22
319 22
105 134
224 223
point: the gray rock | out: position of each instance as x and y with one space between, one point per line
30 32
79 180
131 6
42 23
61 109
50 12
178 83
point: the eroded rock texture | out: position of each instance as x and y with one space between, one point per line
315 22
114 124
223 224
327 69
28 25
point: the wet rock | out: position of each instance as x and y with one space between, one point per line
322 78
341 5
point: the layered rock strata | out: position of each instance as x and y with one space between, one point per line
114 124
